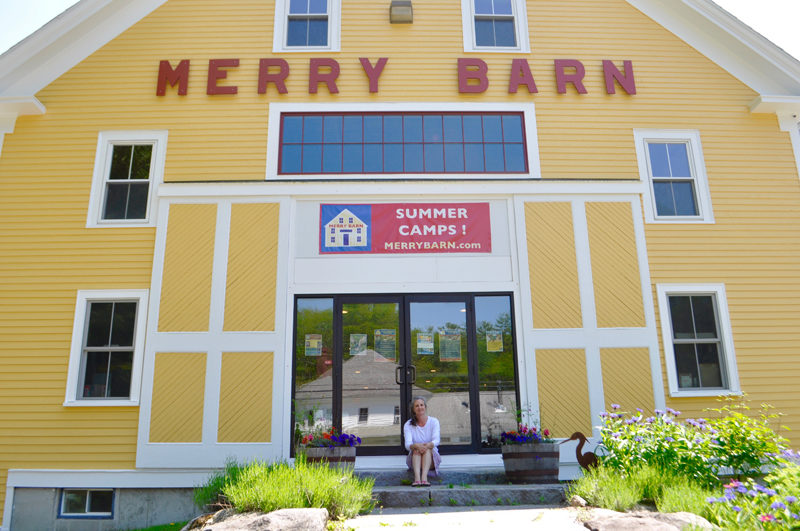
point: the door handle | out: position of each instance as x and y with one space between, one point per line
413 371
397 371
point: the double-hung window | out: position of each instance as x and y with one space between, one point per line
307 25
495 25
107 347
697 340
129 165
671 163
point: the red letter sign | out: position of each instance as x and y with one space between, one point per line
466 73
562 78
215 74
315 76
179 75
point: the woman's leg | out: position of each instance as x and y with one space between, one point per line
427 459
416 460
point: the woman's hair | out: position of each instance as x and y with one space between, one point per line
412 413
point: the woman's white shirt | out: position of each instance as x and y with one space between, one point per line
421 434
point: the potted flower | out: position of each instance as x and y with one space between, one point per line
530 455
327 445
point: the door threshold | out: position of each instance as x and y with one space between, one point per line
459 461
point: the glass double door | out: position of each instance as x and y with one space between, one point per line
455 351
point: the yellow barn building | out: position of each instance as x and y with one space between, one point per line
222 223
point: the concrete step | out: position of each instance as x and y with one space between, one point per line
467 495
455 476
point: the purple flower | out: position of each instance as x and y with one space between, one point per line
669 439
640 410
796 516
778 505
752 493
698 440
659 412
715 441
615 406
667 420
650 419
616 435
711 500
741 489
729 496
737 508
771 492
791 499
638 439
604 414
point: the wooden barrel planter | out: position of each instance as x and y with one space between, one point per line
339 456
531 463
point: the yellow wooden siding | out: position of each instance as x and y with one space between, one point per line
188 261
563 391
252 268
615 266
245 404
552 265
176 411
627 379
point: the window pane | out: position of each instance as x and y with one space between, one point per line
483 7
318 32
665 203
141 162
492 129
454 158
352 129
434 158
137 200
683 191
297 33
116 200
412 158
686 365
473 129
99 329
332 129
318 6
708 358
95 376
119 380
373 129
680 309
412 128
433 128
504 34
658 159
290 159
679 160
298 6
704 319
515 158
494 157
484 32
100 501
474 157
74 502
373 158
124 324
392 128
512 129
453 130
393 158
502 7
120 162
332 158
312 158
312 129
292 129
352 158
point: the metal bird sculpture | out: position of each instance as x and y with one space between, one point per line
587 460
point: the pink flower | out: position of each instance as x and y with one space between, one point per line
766 518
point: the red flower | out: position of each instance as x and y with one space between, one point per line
326 435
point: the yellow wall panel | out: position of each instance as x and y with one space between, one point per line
176 413
188 261
563 391
245 404
627 379
553 268
615 265
252 265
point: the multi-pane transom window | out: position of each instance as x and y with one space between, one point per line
307 23
87 502
356 143
107 359
696 342
672 179
494 23
127 184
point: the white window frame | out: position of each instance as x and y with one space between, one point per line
84 298
520 13
691 138
728 354
87 515
106 140
281 29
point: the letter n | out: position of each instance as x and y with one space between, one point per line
612 73
168 75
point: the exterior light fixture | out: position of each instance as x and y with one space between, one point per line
401 12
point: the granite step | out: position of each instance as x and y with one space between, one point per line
466 495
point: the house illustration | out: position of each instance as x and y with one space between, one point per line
346 230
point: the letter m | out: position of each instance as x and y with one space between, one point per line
168 75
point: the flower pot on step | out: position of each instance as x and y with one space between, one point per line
339 456
531 462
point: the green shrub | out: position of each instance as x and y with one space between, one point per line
264 487
608 488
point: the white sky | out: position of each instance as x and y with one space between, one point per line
775 19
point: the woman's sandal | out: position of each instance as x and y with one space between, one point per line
424 484
417 484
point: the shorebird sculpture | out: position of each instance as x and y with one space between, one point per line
586 460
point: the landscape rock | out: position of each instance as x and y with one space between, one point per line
606 520
282 520
577 501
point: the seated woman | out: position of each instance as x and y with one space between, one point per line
421 434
